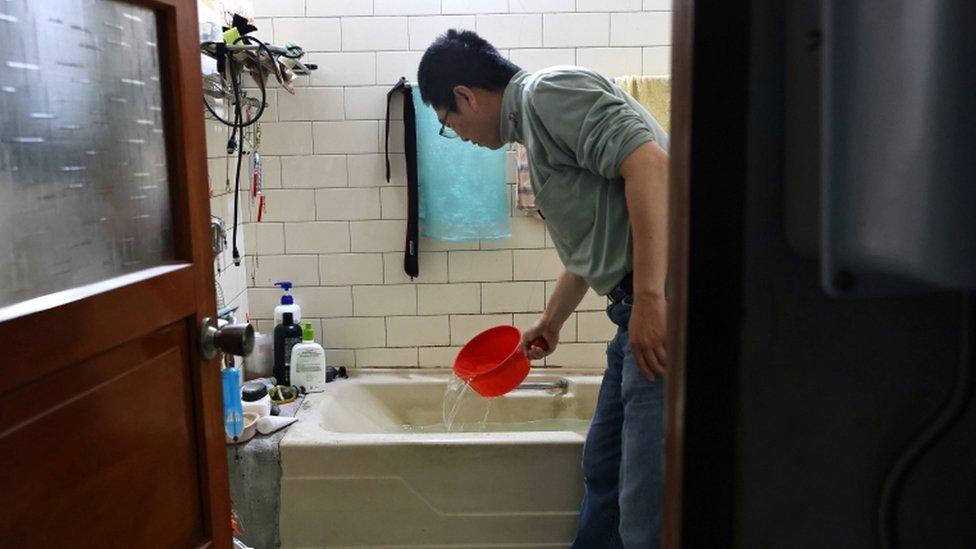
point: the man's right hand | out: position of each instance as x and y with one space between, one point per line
532 348
566 296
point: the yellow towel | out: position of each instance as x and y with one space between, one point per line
653 93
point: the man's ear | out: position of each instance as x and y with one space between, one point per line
464 94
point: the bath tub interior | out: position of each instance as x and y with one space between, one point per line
403 403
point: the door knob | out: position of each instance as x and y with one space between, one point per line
233 339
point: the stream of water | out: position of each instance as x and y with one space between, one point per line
455 395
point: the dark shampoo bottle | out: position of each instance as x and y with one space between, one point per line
286 335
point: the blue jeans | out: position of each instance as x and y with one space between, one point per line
623 459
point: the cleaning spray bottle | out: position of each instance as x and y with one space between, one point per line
308 362
287 305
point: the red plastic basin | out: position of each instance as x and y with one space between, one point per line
493 362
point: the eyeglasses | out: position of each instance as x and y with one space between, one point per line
446 130
283 394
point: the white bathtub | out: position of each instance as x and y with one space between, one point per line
363 468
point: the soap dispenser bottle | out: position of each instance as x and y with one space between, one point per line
287 305
286 335
308 362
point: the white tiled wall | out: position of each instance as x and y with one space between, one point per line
336 227
231 281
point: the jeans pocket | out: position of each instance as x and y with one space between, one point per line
619 312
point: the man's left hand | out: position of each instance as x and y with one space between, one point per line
648 332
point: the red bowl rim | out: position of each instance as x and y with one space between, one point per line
468 375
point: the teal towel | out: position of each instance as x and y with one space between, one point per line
463 192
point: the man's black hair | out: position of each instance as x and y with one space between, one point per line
461 58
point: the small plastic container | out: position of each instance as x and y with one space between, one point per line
261 362
493 362
254 398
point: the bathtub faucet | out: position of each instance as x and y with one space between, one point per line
560 385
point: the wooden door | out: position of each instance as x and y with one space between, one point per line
110 420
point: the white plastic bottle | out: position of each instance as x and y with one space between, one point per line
308 362
287 305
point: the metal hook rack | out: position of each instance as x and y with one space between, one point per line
249 53
216 87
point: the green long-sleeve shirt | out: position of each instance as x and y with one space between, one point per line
577 128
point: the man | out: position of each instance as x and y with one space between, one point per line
600 171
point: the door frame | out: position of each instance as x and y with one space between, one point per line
708 171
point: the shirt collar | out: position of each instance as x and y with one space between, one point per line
511 122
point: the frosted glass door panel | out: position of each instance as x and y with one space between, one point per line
84 187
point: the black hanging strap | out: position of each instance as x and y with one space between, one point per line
220 52
411 264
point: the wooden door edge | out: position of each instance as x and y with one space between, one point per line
682 49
